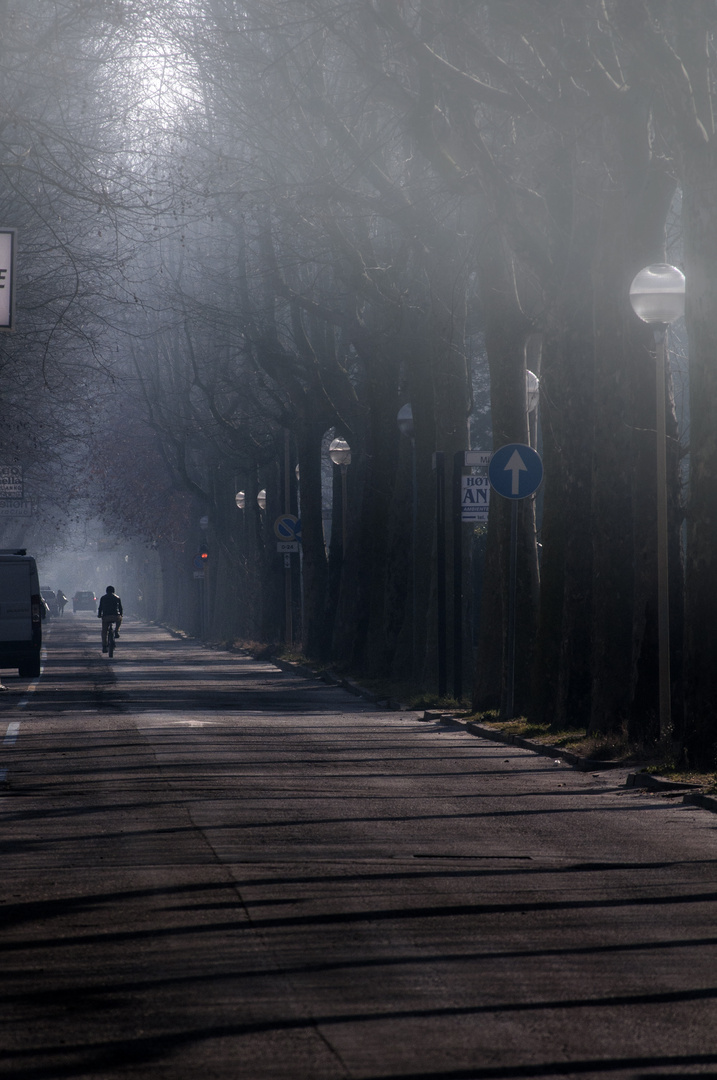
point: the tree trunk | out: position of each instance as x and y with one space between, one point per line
506 334
562 683
317 625
700 232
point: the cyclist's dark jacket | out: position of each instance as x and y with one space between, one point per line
110 606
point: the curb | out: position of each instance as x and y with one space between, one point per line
575 760
179 634
691 795
658 783
333 680
544 749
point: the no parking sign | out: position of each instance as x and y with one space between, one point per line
287 527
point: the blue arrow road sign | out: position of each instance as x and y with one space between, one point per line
515 471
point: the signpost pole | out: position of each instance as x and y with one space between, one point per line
440 468
512 591
458 459
515 472
414 557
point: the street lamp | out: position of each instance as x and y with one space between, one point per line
405 420
261 499
657 295
532 397
240 500
532 390
340 454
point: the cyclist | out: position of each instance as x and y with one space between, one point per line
110 611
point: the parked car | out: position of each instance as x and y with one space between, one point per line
84 601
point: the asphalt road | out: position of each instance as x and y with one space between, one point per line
213 869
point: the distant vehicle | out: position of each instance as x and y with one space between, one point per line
21 613
84 601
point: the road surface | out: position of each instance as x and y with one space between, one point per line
213 869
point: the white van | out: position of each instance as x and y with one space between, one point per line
21 613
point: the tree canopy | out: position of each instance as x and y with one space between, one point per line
243 226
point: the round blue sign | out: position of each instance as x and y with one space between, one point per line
515 471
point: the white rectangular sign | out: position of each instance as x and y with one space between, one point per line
475 498
7 267
287 545
477 458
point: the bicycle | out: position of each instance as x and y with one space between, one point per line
110 639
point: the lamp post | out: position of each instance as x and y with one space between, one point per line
203 591
657 295
240 500
297 473
405 423
340 454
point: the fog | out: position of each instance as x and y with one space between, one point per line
241 227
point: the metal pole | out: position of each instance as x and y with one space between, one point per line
301 561
441 568
512 590
663 591
343 511
414 535
287 561
458 460
287 465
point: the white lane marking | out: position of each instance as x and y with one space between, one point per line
13 730
30 690
10 739
26 701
